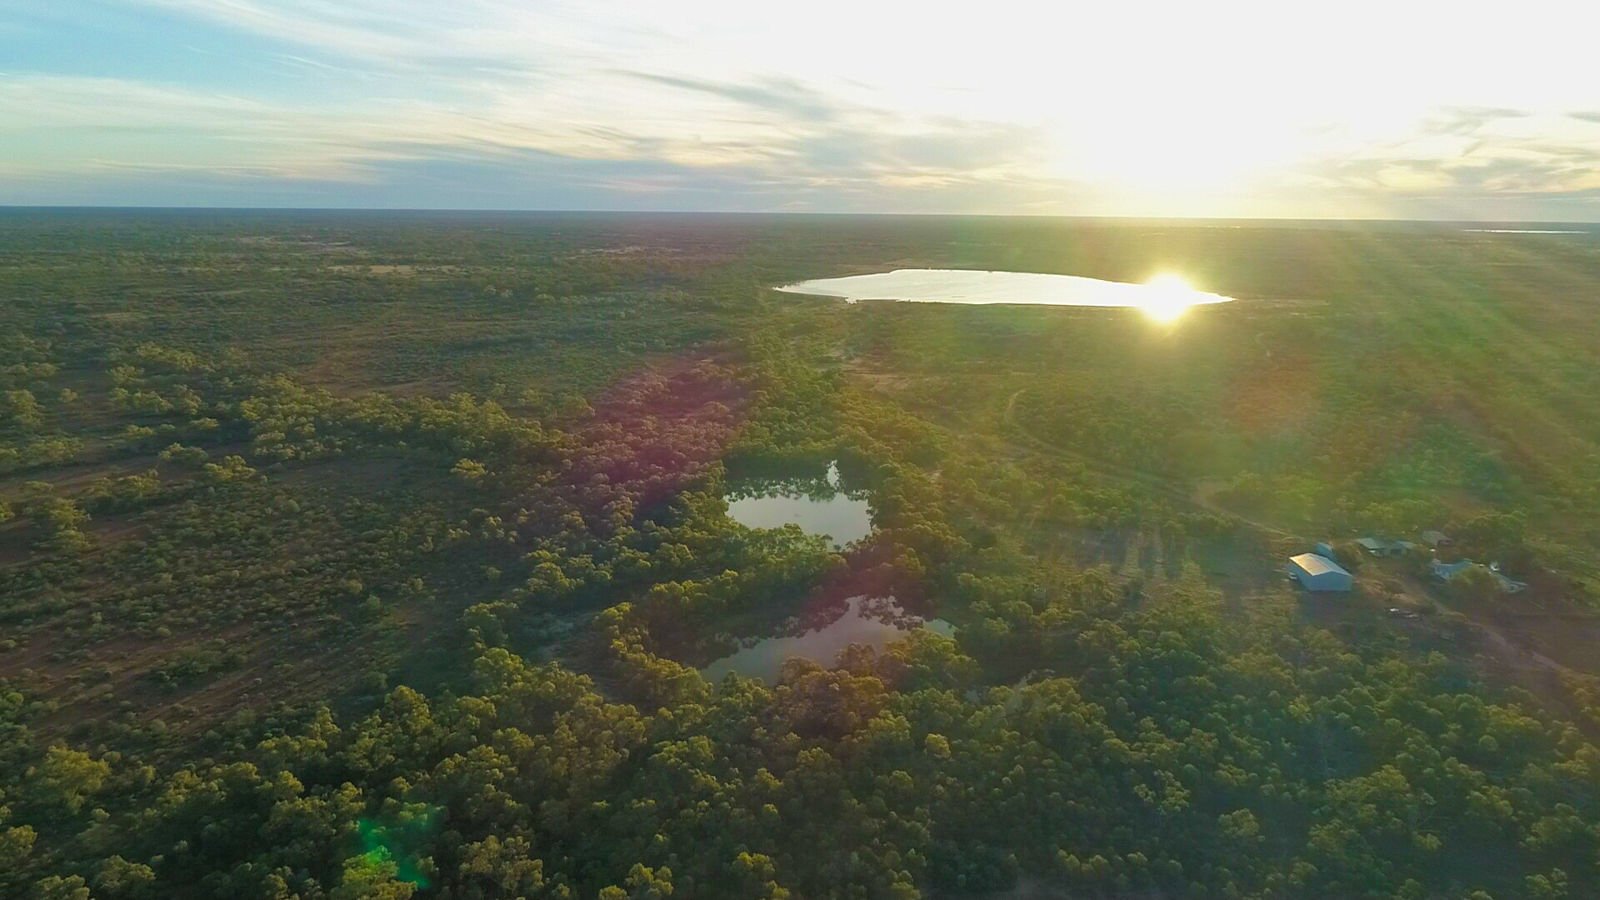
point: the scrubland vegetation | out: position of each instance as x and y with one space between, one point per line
375 556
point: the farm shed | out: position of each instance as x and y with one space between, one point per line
1319 573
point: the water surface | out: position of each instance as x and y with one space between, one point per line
983 287
1523 231
874 621
823 508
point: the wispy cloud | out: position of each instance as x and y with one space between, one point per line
782 96
848 150
1468 119
1491 164
839 105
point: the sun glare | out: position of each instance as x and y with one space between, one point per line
1167 298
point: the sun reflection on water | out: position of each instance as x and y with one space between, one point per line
1167 297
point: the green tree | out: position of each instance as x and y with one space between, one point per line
469 470
371 876
21 411
67 778
120 878
56 887
58 523
233 468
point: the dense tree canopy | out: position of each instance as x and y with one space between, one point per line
370 559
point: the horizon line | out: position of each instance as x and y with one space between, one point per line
7 207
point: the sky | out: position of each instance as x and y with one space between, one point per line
1223 108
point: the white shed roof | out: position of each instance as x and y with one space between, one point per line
1313 564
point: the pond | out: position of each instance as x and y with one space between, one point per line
1524 231
818 506
1163 293
874 621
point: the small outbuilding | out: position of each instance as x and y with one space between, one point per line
1435 538
1319 573
1507 584
1381 547
1452 571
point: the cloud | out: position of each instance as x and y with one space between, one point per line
1490 162
842 105
1468 119
156 134
782 96
535 180
359 28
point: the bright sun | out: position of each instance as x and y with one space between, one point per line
1167 297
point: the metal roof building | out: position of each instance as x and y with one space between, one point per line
1319 573
1382 547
